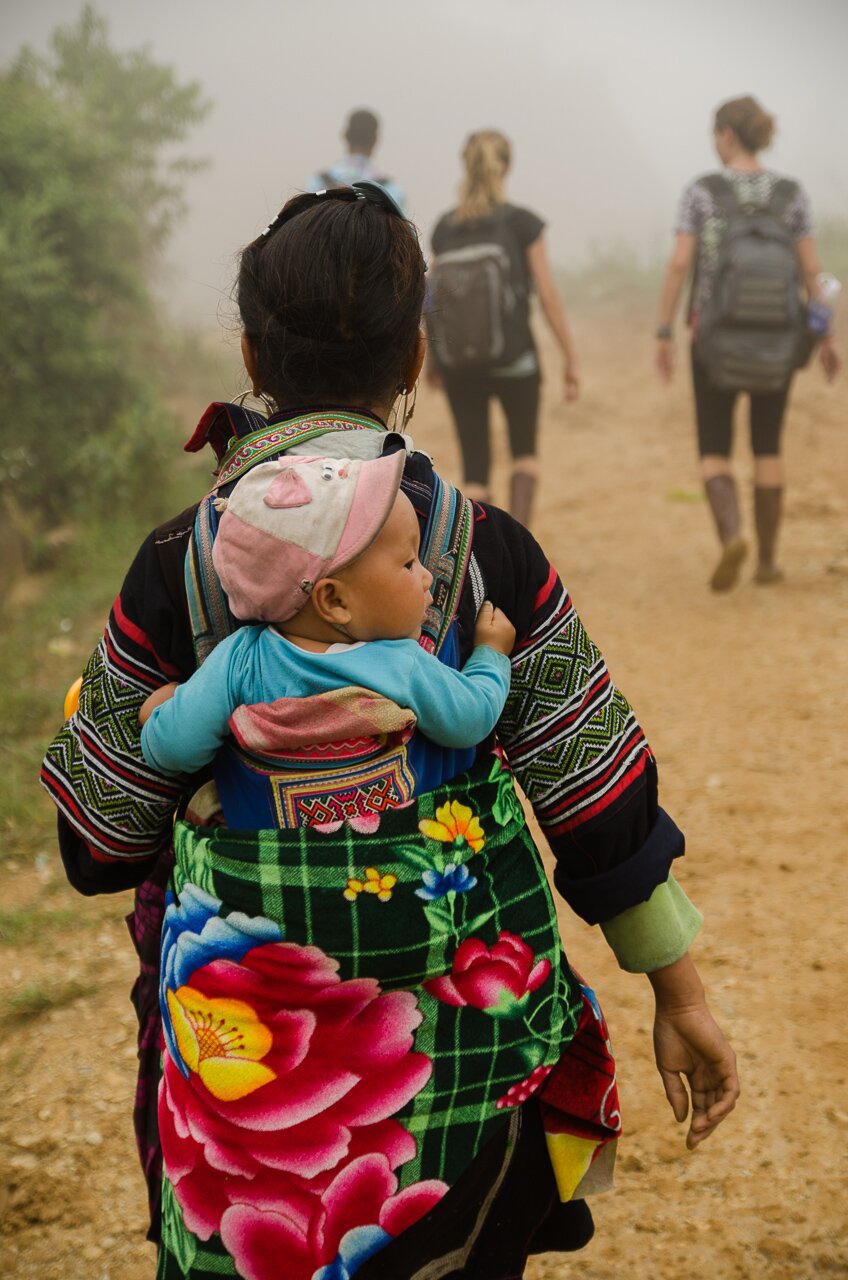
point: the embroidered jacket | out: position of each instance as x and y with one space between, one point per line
571 737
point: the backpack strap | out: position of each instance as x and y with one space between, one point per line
785 191
723 193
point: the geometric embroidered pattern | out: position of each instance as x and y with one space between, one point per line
570 735
94 769
307 799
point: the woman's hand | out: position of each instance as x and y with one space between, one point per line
572 381
831 361
664 358
689 1043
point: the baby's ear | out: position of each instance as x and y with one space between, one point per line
328 601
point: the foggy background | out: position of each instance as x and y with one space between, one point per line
608 106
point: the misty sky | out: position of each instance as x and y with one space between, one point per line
607 102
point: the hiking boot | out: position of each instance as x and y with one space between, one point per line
726 572
766 575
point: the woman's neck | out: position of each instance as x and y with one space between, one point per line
741 161
377 412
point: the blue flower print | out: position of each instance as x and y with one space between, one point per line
439 883
193 934
356 1247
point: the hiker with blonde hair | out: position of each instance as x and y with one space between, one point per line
490 256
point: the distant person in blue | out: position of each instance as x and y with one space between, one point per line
360 137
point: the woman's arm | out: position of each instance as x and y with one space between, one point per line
581 758
808 260
115 812
554 312
672 286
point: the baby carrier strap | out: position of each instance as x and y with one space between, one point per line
445 545
446 552
209 613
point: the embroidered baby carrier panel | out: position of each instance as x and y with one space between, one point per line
348 1020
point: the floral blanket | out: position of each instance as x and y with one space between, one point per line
349 1018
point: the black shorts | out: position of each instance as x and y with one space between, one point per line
714 416
469 394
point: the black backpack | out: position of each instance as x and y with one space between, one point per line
751 329
472 297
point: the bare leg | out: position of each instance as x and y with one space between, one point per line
476 492
522 488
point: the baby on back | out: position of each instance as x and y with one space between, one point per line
322 555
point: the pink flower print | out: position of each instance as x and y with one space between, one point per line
358 1213
282 1078
497 981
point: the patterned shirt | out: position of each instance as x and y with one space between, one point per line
699 215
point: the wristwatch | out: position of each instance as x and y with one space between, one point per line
663 332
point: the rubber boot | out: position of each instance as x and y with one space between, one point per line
768 508
522 487
724 504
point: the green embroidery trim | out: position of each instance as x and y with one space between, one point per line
252 449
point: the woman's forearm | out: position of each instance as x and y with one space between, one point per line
554 313
672 287
677 986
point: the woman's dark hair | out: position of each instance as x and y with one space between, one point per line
751 123
330 298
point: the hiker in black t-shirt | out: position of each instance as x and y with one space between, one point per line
490 255
707 209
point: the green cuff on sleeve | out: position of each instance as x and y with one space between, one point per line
654 933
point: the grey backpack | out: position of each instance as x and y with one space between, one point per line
751 328
471 301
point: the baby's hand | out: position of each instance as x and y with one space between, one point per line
494 629
154 700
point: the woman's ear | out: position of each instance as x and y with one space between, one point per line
417 361
329 603
251 362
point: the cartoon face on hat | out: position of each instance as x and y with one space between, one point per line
291 522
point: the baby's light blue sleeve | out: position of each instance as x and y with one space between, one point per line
459 708
184 733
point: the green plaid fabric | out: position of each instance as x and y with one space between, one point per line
468 832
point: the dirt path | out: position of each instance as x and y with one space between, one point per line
743 698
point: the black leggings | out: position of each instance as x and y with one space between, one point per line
714 416
469 394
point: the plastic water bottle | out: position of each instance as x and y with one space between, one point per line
821 307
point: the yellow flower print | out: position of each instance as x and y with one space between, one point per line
454 823
222 1041
373 883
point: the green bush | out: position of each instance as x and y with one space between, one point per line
87 206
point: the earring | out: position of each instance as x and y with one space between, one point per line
409 409
392 424
255 395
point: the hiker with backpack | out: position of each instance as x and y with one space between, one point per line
489 257
360 137
749 233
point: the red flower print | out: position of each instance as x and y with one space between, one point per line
277 1123
498 981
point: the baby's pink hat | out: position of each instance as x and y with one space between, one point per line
291 522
